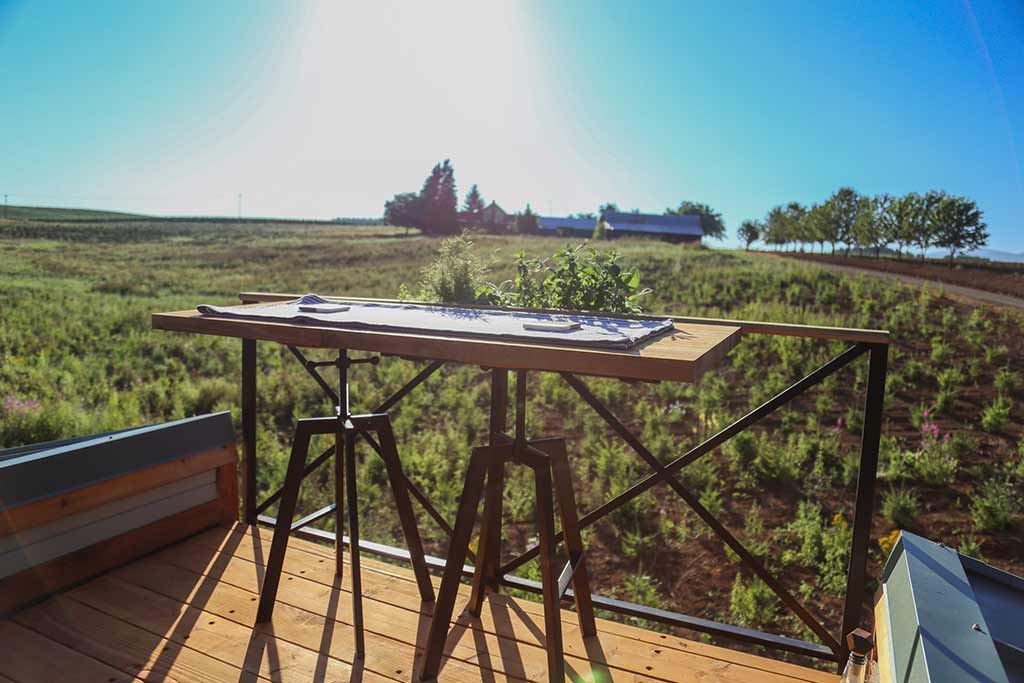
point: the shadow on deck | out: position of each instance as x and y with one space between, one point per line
186 613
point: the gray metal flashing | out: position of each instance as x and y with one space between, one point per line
937 627
75 463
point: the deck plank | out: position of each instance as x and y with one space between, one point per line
661 641
186 614
309 576
632 642
30 657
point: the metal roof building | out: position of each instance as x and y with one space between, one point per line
671 227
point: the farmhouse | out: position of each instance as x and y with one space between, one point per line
671 228
493 216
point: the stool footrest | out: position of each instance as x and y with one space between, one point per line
568 572
313 516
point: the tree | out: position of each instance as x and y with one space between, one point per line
908 218
438 201
610 207
526 222
844 206
403 210
600 229
818 224
868 228
710 220
959 226
774 228
929 228
474 201
795 225
749 232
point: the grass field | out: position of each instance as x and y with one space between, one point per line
46 213
77 355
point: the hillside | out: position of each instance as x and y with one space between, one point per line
77 355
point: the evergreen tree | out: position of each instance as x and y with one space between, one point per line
474 201
526 222
610 207
438 201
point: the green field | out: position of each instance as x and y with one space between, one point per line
47 213
77 355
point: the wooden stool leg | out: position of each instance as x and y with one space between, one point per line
445 605
549 575
283 527
573 540
353 540
404 508
485 576
339 503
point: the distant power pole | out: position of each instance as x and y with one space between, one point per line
239 205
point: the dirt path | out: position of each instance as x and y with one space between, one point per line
957 291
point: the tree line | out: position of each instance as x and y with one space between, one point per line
872 223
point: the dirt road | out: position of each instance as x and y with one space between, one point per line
956 291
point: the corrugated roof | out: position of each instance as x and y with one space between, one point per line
553 223
627 222
654 223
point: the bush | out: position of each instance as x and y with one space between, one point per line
575 279
900 507
994 505
752 604
996 415
456 276
820 547
1006 381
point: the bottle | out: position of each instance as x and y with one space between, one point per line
860 644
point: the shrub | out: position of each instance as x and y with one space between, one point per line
996 415
752 604
576 279
994 505
823 548
971 545
456 276
900 507
1006 381
942 352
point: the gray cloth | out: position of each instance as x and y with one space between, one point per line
593 331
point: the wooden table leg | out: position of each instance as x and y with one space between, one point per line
396 478
446 596
549 575
353 540
283 527
573 539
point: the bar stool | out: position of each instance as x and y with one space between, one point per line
550 464
345 428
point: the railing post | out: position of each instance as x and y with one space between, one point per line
864 509
249 428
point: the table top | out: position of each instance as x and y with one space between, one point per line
681 355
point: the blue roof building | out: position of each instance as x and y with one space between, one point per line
670 228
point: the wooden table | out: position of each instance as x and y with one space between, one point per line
684 355
695 346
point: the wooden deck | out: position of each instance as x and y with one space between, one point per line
186 614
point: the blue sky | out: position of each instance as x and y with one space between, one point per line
327 109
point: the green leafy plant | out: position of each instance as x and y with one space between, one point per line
993 505
996 415
752 603
900 507
577 278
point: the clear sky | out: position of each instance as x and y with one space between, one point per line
321 110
